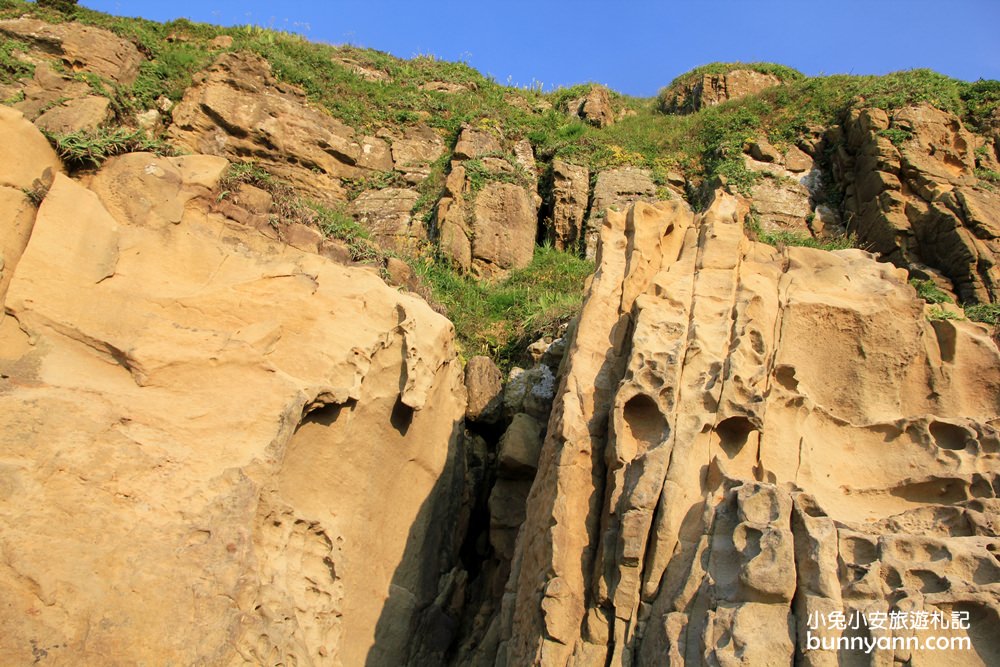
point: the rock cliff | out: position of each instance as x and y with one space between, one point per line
224 439
217 449
744 438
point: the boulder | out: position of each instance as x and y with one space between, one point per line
712 89
473 143
75 115
415 151
484 386
595 107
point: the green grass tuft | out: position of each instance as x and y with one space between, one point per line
929 292
82 150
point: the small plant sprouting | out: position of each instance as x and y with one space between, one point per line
929 292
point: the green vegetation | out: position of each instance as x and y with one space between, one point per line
64 6
82 150
929 292
988 313
11 67
500 319
783 238
935 313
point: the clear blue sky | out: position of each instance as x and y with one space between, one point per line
637 46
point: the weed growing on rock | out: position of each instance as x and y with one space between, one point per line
82 150
929 292
987 313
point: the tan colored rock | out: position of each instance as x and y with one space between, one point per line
797 160
745 436
570 194
75 115
919 203
80 47
473 143
520 446
387 214
27 152
504 228
713 89
237 108
236 416
48 88
615 189
595 107
447 87
484 386
415 151
364 71
221 42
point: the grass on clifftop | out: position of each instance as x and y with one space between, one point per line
500 319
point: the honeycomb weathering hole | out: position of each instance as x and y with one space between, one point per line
733 434
949 436
644 420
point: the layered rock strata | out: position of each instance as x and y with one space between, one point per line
912 195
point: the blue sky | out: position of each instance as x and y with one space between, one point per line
637 46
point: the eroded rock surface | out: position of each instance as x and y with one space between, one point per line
744 437
912 195
237 109
218 449
712 89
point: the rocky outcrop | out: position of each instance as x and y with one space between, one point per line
52 97
30 167
237 109
792 192
487 222
388 215
79 47
569 199
202 429
709 90
615 190
712 480
913 197
595 107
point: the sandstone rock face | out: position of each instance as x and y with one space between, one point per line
595 107
744 438
238 109
792 193
82 113
487 222
484 386
80 47
217 449
413 153
387 214
712 89
570 193
615 189
919 202
29 164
